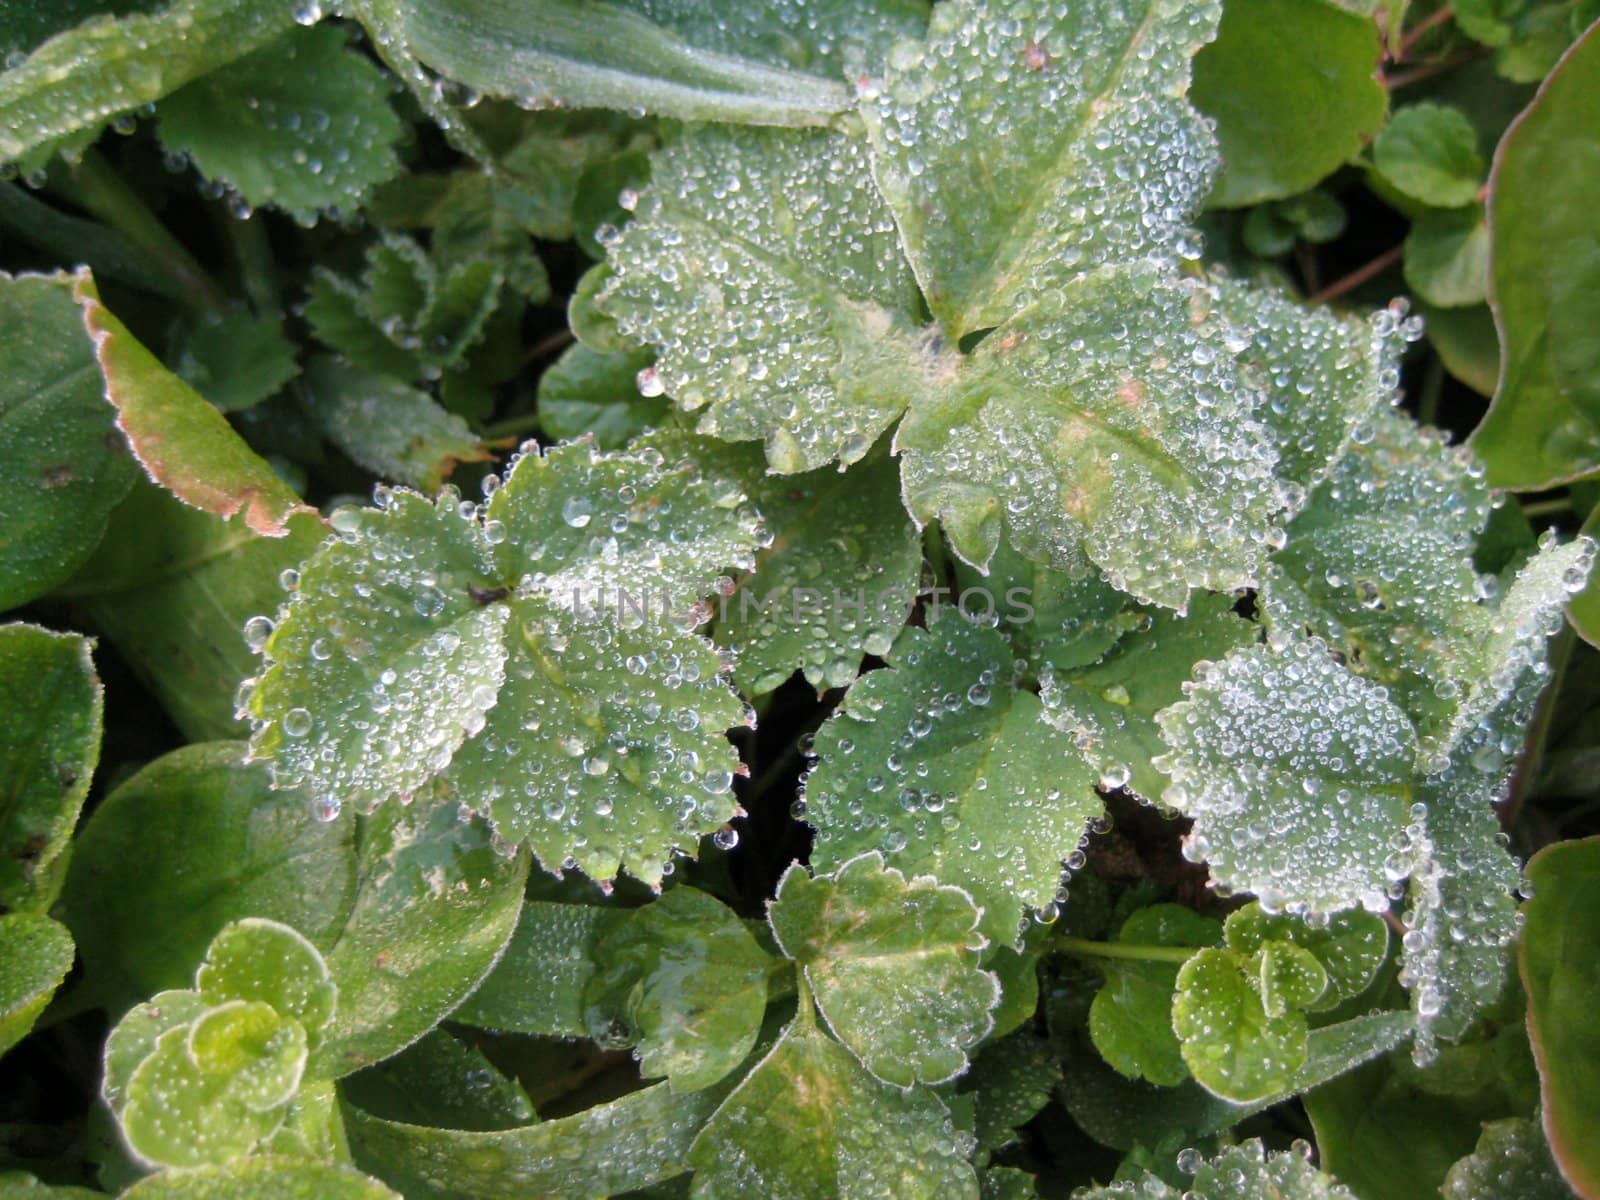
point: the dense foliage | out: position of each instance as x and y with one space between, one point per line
828 598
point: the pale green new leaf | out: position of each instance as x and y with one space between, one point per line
1233 1043
1512 1161
49 747
893 965
1350 948
834 585
268 1178
687 984
268 962
845 1135
1030 143
1298 774
948 769
86 75
1109 708
303 124
37 953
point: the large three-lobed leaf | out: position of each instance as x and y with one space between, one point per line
1035 173
541 650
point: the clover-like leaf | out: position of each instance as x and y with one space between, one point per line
38 954
945 767
1349 947
687 981
845 1133
1130 1018
1233 1044
249 1040
133 1039
268 1178
1110 707
271 963
893 964
303 123
1512 1160
1298 775
49 747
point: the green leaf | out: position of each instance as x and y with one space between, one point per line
688 983
235 359
1291 86
1017 119
392 430
182 442
49 747
1544 425
437 901
1011 1080
84 76
627 1143
1430 153
835 584
1447 257
1109 709
946 767
893 964
38 954
270 1178
591 392
1297 773
1130 1018
15 1185
1349 948
133 1038
64 469
303 124
537 987
1512 1160
1560 954
195 840
267 962
845 1134
440 1081
1466 343
1232 1042
671 57
626 699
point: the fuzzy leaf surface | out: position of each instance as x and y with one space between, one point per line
38 954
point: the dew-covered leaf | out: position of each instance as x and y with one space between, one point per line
183 443
944 766
17 1185
596 393
1430 152
303 124
673 57
1350 947
834 585
391 429
1560 955
537 986
1029 143
1325 374
64 466
624 1144
440 1081
1512 1162
49 747
1130 1018
268 1178
436 901
687 983
744 232
1291 86
193 841
1447 257
37 953
844 1135
1298 774
84 76
1109 709
893 963
1544 425
1233 1044
1011 1081
1050 618
268 962
1244 1172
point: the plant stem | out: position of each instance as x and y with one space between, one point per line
1547 508
1432 21
102 191
1432 388
1360 275
1086 948
1428 70
252 253
515 426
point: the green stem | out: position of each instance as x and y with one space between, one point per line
1547 508
252 254
100 190
1432 389
1085 948
522 423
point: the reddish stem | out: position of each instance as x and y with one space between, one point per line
1359 276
